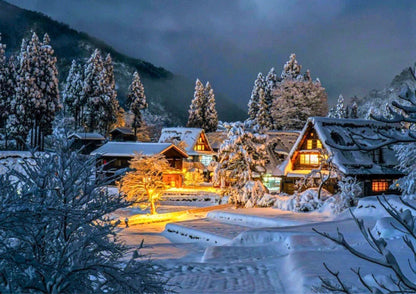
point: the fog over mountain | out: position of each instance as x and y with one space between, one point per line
352 46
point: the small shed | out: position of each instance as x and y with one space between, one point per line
86 142
123 134
114 156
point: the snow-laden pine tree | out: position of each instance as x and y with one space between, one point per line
73 93
241 161
211 115
296 97
49 85
354 110
197 107
253 103
94 92
4 91
136 99
57 234
110 105
264 119
339 111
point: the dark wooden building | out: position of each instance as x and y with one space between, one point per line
114 156
123 134
86 142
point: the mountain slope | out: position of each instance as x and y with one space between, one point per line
169 95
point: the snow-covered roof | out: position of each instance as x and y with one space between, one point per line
216 138
187 135
87 136
128 149
123 130
333 131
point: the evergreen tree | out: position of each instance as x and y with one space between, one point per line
111 106
354 110
296 97
253 103
94 91
73 92
211 116
4 73
137 101
196 109
264 119
241 156
339 111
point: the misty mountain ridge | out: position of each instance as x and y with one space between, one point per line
376 100
168 95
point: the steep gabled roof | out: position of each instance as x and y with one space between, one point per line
128 149
87 136
187 135
333 131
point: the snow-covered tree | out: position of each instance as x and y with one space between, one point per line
94 91
264 119
196 115
349 192
241 161
111 106
144 185
136 101
296 98
73 92
202 112
253 103
4 99
56 233
339 111
354 110
211 115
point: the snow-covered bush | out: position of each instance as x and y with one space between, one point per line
350 190
266 201
406 154
252 192
56 234
307 201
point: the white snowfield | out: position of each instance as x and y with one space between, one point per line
263 250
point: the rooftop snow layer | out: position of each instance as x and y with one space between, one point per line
128 149
87 136
187 135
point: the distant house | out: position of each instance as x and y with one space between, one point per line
375 170
193 141
86 142
114 156
123 134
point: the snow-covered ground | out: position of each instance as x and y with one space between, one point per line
259 250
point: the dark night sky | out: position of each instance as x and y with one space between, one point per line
352 46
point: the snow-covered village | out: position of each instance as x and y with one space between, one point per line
242 146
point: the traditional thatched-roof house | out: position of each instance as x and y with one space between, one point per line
193 141
374 169
114 156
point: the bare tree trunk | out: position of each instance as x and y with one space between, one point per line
152 207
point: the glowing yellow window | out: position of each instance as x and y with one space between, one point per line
379 185
314 159
318 144
309 144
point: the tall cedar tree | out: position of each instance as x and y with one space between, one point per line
137 101
202 113
144 185
211 115
37 94
296 97
253 103
111 105
73 95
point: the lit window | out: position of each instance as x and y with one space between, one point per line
379 185
206 159
309 144
318 144
309 159
200 147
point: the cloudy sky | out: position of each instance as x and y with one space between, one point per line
352 46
